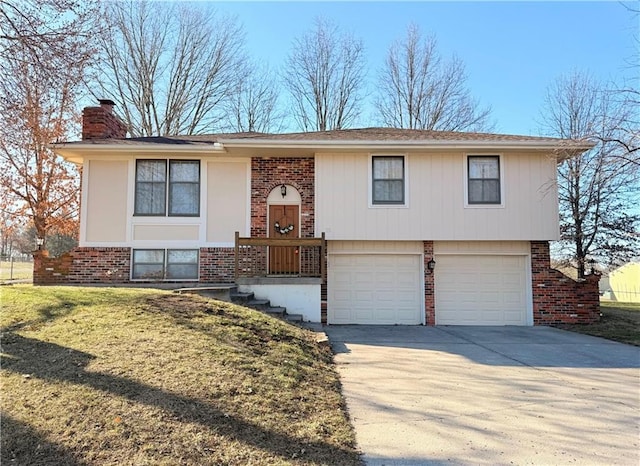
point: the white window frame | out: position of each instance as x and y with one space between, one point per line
405 204
501 168
167 187
164 265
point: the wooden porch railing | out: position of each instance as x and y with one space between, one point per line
289 257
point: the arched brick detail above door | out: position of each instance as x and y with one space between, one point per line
268 173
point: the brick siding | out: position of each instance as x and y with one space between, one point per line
558 299
268 173
429 286
113 266
82 266
217 265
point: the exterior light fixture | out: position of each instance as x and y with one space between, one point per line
431 264
39 242
283 190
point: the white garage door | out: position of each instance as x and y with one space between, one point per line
481 290
374 289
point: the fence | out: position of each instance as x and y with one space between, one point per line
13 269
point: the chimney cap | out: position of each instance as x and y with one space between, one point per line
108 102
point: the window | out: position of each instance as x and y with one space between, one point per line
161 264
387 180
484 179
181 193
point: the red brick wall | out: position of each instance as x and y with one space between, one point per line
558 299
270 172
101 123
113 265
429 286
82 266
217 265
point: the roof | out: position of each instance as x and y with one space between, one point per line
308 142
359 134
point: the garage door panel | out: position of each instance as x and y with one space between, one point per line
480 290
385 289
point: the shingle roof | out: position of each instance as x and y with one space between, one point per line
346 135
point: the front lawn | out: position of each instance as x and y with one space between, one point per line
619 322
97 376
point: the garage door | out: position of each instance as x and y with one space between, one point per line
481 290
374 289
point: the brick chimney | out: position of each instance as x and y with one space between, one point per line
101 123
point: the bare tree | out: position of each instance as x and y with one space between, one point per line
169 67
46 49
54 25
324 75
254 106
417 89
598 188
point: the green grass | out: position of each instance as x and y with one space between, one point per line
15 271
97 376
619 322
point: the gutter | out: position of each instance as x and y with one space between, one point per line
426 144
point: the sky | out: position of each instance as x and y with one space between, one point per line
512 50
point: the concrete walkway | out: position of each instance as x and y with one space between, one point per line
489 395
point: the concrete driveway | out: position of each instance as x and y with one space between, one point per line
489 395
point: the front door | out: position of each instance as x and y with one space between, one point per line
283 224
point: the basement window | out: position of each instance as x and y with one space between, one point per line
165 264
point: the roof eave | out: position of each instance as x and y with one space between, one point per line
76 151
427 144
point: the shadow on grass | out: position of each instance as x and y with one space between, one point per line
58 304
19 441
49 361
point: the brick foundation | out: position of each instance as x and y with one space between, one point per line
113 266
217 265
429 286
268 173
82 266
558 299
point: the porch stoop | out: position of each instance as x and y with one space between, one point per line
230 293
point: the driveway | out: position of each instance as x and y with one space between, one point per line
489 395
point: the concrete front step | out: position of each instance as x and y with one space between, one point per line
295 318
264 305
221 292
276 311
240 297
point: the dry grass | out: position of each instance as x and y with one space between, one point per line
15 271
619 322
97 376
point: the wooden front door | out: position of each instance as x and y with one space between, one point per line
283 224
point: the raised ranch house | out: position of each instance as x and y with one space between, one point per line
361 226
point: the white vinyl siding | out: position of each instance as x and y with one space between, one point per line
436 207
103 216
